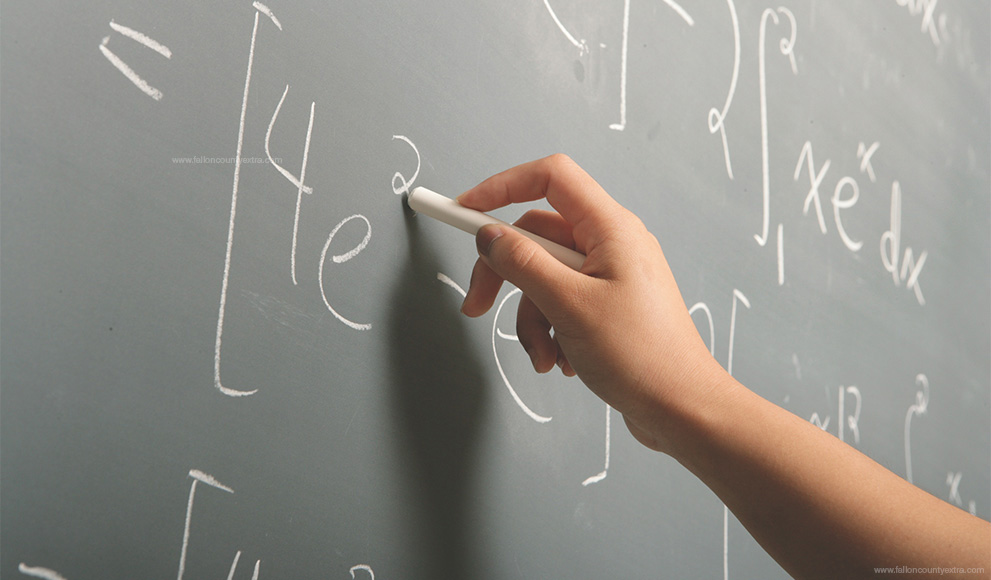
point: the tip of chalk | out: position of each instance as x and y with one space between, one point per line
406 206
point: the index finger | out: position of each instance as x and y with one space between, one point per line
567 187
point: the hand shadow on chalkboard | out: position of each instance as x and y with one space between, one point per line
439 395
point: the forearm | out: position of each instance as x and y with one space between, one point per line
821 508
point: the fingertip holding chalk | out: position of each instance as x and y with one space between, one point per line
449 211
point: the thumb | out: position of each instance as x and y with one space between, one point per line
522 262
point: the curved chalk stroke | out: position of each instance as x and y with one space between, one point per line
502 373
340 259
916 410
786 46
717 118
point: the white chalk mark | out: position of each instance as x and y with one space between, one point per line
605 470
725 542
712 332
268 153
781 255
681 12
622 69
506 335
405 185
737 296
129 72
340 259
623 57
267 12
230 228
209 480
447 280
579 44
891 250
851 421
197 476
502 373
717 118
917 410
142 39
787 48
865 153
916 269
815 179
840 203
818 422
299 183
237 557
953 480
39 572
364 568
301 188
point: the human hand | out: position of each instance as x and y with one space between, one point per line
620 323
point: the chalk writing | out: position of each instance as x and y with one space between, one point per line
717 118
39 572
259 8
847 420
502 373
865 153
814 180
915 410
787 48
605 470
927 8
237 556
198 477
363 568
404 185
581 45
738 296
340 259
623 56
300 182
891 247
953 481
123 67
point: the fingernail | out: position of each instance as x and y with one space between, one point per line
486 236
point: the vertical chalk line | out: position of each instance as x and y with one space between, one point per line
230 228
622 69
605 470
299 192
198 476
787 48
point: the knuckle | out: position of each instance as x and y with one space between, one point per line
521 254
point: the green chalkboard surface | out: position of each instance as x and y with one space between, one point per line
226 351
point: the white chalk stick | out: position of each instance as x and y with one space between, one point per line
451 212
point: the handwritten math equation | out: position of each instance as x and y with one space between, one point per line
822 192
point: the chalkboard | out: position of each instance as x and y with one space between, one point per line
228 351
